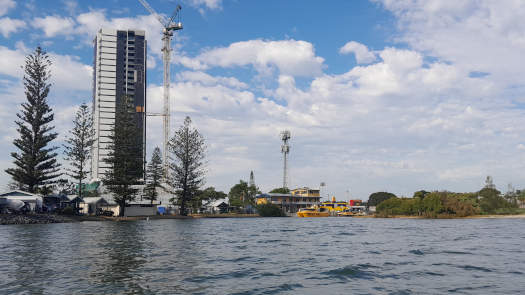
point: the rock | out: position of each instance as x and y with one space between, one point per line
33 219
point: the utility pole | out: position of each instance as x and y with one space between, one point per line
285 150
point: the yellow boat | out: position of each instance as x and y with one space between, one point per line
313 212
335 206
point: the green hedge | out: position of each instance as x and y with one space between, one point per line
269 210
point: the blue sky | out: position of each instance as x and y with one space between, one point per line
379 95
328 25
232 22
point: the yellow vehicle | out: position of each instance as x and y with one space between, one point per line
313 212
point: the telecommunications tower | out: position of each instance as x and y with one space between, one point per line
285 149
252 179
169 25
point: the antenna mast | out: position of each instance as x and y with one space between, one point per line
169 26
285 149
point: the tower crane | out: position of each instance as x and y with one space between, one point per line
169 25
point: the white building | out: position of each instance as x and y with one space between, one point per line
218 206
120 71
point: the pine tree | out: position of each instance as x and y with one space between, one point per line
187 170
36 164
78 145
154 175
125 157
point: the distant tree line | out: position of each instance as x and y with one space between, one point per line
449 204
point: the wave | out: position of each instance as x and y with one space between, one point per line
359 271
473 267
457 252
416 252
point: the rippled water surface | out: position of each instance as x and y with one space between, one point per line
265 256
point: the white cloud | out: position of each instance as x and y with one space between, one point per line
6 5
290 57
461 173
151 62
54 25
210 4
9 25
86 25
70 6
69 73
90 22
66 71
63 119
401 60
481 36
209 80
361 52
10 62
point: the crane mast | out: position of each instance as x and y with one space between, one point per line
167 33
166 52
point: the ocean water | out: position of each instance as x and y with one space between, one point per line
265 256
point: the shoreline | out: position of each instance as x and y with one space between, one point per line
12 219
490 216
225 215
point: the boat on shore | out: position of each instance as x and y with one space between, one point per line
313 212
353 211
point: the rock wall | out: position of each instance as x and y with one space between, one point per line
32 219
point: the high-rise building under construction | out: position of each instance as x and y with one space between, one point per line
119 72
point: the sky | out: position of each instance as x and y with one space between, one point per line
381 95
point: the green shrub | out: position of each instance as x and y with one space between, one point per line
376 198
389 207
491 201
269 210
432 205
459 205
